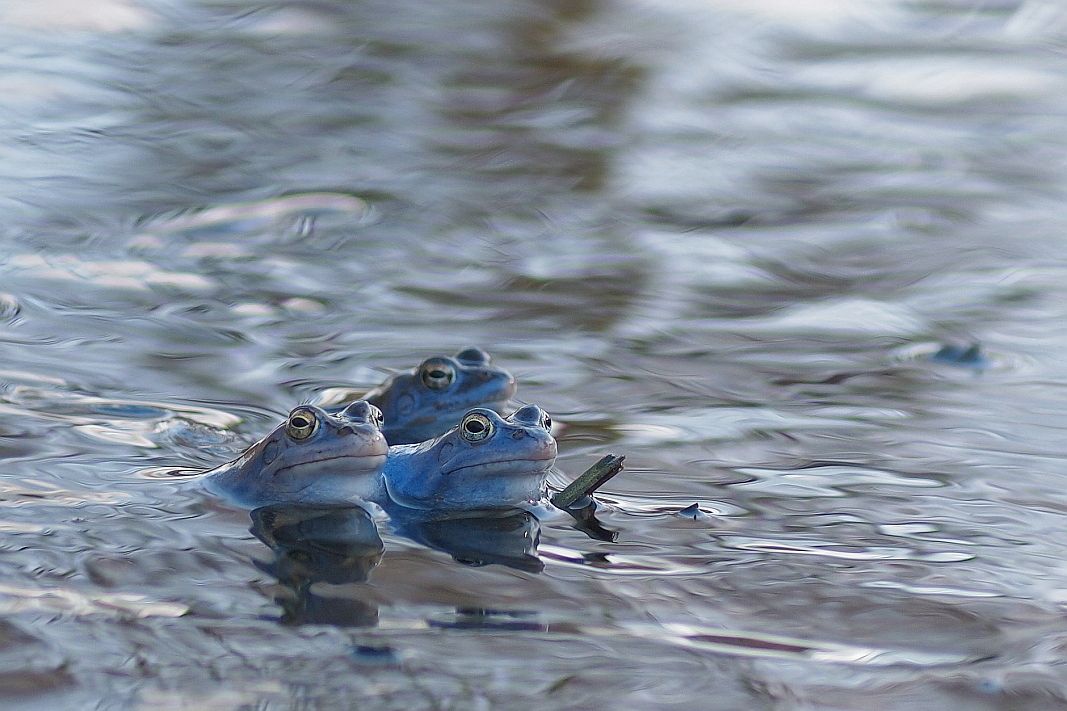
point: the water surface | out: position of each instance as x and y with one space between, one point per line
724 239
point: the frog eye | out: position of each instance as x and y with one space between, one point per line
377 417
302 424
476 427
547 422
436 374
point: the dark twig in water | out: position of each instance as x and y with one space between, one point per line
593 478
585 520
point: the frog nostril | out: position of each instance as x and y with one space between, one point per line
518 434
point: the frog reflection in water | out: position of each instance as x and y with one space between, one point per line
485 462
423 403
313 457
341 546
319 544
508 538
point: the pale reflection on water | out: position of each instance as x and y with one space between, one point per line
728 240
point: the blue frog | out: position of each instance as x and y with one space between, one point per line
426 401
313 457
485 462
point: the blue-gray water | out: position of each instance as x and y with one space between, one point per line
721 238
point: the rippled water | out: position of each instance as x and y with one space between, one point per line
723 239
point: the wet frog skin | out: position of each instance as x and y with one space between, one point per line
424 402
312 457
485 462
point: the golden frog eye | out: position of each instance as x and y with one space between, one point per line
302 424
476 427
436 374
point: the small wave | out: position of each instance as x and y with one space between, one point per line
841 551
750 644
618 563
983 360
169 473
244 217
117 275
9 308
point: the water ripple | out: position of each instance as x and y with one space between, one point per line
728 240
9 308
112 276
740 643
826 480
15 600
842 551
293 216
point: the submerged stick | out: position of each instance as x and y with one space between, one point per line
593 478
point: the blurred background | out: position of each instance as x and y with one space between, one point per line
726 239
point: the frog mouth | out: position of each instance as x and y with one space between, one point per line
517 466
358 461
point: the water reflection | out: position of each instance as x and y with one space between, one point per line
315 544
341 546
727 238
508 539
